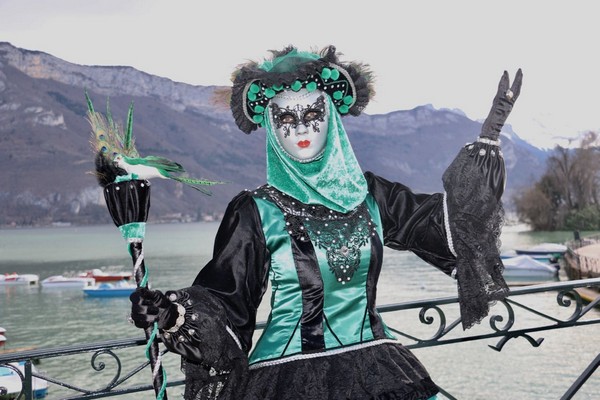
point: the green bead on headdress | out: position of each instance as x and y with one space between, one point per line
348 84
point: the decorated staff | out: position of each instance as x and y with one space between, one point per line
124 176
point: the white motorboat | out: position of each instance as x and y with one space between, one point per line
551 259
62 282
15 279
11 383
104 276
526 267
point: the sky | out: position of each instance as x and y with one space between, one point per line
449 54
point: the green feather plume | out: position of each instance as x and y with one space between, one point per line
128 145
159 162
108 140
197 184
107 135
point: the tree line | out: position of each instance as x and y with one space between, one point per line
567 196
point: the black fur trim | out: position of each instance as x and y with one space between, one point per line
106 171
354 82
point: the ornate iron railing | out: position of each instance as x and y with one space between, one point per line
431 314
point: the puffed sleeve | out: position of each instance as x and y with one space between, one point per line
218 313
238 273
412 222
473 185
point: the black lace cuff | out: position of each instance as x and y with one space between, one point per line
474 184
203 337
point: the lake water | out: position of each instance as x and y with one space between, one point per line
174 254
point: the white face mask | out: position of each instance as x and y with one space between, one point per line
300 120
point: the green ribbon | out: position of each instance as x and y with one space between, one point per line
163 388
133 230
124 178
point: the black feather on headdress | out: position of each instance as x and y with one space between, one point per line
348 84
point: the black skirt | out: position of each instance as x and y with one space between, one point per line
386 371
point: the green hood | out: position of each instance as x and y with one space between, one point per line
335 180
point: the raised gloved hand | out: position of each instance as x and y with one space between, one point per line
474 184
149 306
502 106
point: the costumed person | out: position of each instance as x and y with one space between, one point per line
316 231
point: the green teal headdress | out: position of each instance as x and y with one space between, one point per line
349 85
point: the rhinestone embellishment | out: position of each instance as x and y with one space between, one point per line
340 235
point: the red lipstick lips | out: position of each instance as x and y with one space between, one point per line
304 143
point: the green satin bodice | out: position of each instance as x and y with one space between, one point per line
344 304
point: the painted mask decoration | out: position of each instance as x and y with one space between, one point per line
300 120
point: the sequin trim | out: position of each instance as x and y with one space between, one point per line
325 353
447 225
180 319
489 141
234 336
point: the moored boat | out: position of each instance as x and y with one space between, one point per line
15 279
552 259
62 282
110 289
103 276
526 267
542 249
11 383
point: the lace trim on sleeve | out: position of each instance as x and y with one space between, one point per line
474 184
180 319
213 361
184 329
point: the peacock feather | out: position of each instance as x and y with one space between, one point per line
107 142
107 135
116 153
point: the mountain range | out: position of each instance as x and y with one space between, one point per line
46 156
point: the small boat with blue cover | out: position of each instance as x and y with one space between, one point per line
110 289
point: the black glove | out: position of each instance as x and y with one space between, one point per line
149 306
502 106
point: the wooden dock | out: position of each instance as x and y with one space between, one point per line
582 263
588 295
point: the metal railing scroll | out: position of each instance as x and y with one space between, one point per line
437 317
